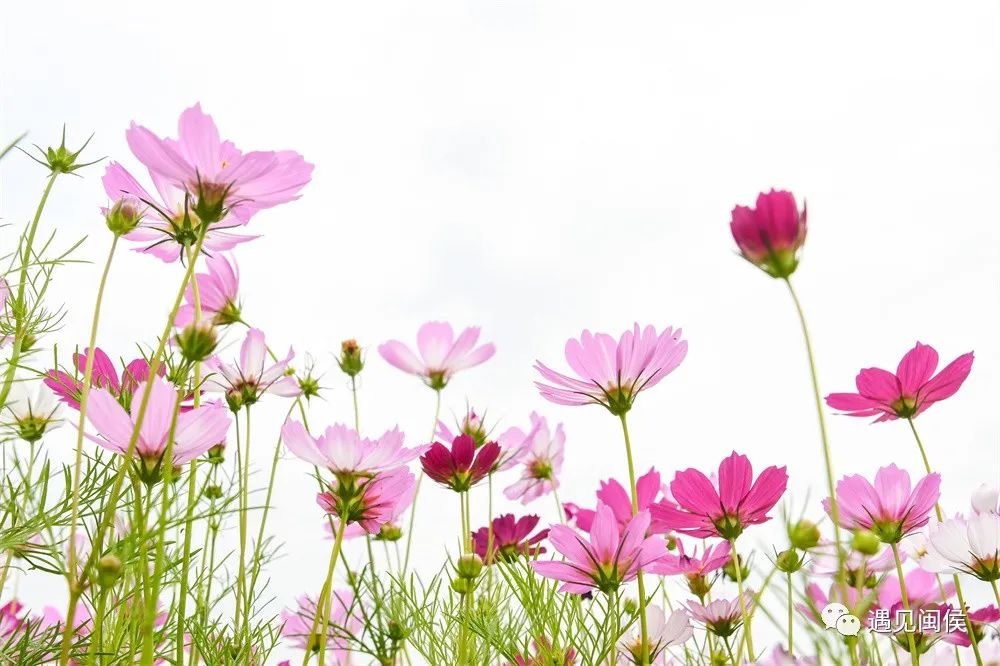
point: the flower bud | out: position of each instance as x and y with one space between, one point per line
123 217
789 561
217 454
803 535
197 341
390 532
469 566
213 492
698 585
671 542
109 570
462 585
771 235
631 606
62 159
730 569
397 632
866 542
350 360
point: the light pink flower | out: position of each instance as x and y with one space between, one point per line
986 499
771 235
168 224
649 491
825 562
441 353
103 375
195 432
779 656
342 451
613 373
244 382
662 632
370 502
723 509
216 173
907 393
890 508
723 616
922 589
714 558
218 293
611 557
542 460
343 623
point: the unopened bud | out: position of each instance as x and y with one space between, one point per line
803 535
789 561
699 585
397 632
350 360
123 217
109 569
469 566
390 532
197 341
462 585
866 542
671 542
730 569
217 454
631 606
213 492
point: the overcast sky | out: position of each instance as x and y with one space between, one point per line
541 168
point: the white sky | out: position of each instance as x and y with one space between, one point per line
539 168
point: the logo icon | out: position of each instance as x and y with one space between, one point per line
836 616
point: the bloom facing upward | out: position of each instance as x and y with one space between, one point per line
244 382
441 353
907 393
510 539
723 616
613 373
961 545
770 235
220 178
663 632
723 509
103 375
611 557
218 292
889 508
32 412
195 432
344 452
541 457
461 466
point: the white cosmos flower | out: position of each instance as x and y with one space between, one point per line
663 632
986 498
965 545
32 413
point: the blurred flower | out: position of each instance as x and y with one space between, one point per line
779 657
724 508
104 375
986 499
649 491
771 235
344 452
970 546
613 373
610 558
32 412
195 431
888 508
371 502
461 467
441 354
662 632
541 459
859 569
510 539
218 294
342 624
546 655
907 393
246 381
221 178
714 557
723 616
922 589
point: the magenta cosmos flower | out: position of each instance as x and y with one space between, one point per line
104 375
219 177
244 382
511 539
195 432
345 453
889 507
907 393
723 616
372 502
542 458
771 235
613 373
462 466
166 224
714 558
218 293
611 557
705 509
512 442
441 353
649 491
343 623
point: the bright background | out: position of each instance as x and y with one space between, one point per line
540 168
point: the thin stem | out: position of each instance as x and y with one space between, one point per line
791 617
88 374
326 595
416 493
245 493
914 655
747 637
354 399
560 512
643 630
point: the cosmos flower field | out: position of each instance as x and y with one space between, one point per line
654 568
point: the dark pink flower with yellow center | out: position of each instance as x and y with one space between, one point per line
462 466
511 539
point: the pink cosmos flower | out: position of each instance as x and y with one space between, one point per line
195 432
890 508
723 509
907 393
220 178
510 539
723 616
714 558
371 502
244 382
218 291
611 557
662 632
104 375
344 452
857 566
779 656
461 467
922 589
168 225
441 353
545 655
343 623
613 373
979 619
649 491
771 235
542 460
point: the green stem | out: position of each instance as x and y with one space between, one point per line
322 615
643 630
747 637
791 617
354 399
245 498
416 493
914 655
560 512
97 635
